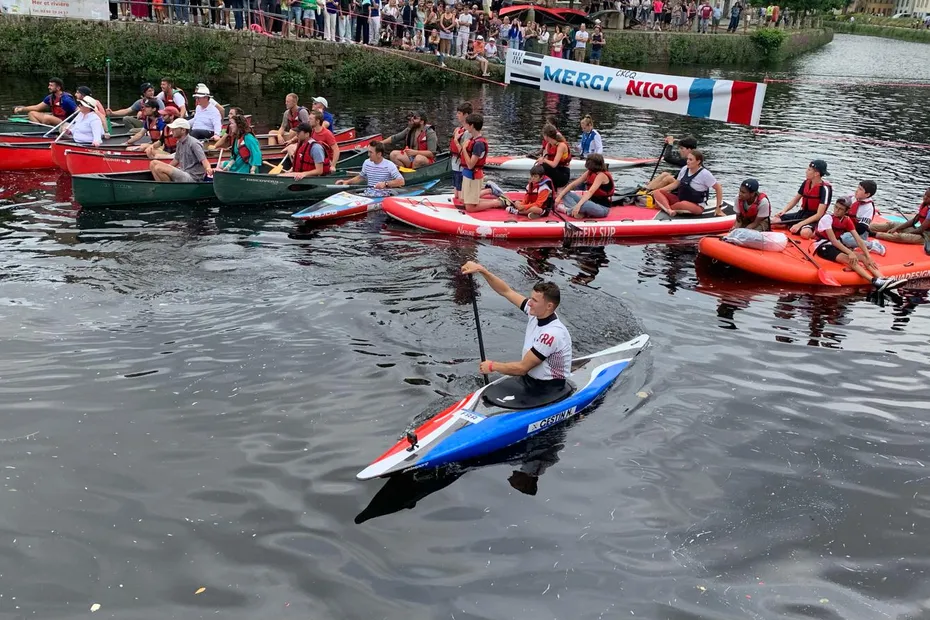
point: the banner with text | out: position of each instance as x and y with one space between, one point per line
719 100
75 9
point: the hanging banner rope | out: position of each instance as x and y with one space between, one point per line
719 100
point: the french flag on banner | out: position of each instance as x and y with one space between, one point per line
726 100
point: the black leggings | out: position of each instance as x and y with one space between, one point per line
560 175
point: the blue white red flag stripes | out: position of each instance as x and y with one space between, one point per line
721 100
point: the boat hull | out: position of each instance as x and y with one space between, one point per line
135 189
25 156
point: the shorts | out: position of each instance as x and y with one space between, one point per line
179 176
297 13
828 251
471 190
796 216
457 180
595 54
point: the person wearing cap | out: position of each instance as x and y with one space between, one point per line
134 114
152 126
814 196
310 157
87 128
190 163
419 140
753 208
679 158
170 94
166 142
476 53
207 122
54 109
84 91
320 104
294 115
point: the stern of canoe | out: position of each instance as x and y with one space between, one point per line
133 189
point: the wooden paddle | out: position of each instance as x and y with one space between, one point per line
825 278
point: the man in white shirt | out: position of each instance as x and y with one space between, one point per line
207 122
547 345
581 42
379 174
87 127
464 22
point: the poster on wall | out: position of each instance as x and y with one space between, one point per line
75 9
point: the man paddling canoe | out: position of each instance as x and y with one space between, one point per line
547 345
419 141
380 174
54 109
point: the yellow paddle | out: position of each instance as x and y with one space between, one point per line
406 170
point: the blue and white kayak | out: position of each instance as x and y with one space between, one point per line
356 202
480 424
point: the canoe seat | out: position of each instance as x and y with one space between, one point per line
517 393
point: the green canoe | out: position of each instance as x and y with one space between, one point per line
135 189
239 189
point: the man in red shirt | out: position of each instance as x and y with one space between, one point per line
324 135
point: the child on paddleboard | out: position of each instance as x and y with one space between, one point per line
829 229
862 210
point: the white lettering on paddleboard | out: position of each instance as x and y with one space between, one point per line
553 419
465 232
470 416
598 231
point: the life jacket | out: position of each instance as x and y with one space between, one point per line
303 160
420 142
476 171
922 213
243 151
840 225
688 193
603 193
293 118
748 213
854 209
552 149
810 197
586 140
168 142
58 110
533 189
455 144
152 128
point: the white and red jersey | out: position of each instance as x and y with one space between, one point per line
862 210
550 341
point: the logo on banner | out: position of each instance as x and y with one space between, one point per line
578 79
652 90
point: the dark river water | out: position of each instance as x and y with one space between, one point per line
188 395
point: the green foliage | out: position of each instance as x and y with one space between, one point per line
902 34
363 67
878 20
768 42
63 46
292 76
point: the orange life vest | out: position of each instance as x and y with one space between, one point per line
293 118
750 212
243 150
168 142
303 160
810 197
55 104
476 171
455 144
603 193
533 189
152 128
552 149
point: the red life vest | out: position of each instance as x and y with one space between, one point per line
840 226
420 143
854 208
477 171
55 105
751 211
922 213
552 149
154 131
168 142
810 197
605 191
303 160
533 189
243 150
293 118
455 144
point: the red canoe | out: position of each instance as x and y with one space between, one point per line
25 156
117 146
96 161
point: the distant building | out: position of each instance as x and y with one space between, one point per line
879 7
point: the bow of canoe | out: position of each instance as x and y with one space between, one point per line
25 156
134 189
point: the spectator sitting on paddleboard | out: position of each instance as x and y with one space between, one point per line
547 346
685 146
693 186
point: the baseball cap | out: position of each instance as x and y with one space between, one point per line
750 184
820 166
845 200
322 101
480 38
169 109
152 103
145 86
84 90
88 102
420 114
179 123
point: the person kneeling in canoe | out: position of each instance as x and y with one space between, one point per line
246 152
598 190
690 190
419 140
814 195
311 158
753 208
190 164
547 346
828 245
915 230
381 175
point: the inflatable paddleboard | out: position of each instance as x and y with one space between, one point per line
522 163
443 214
901 261
347 204
478 424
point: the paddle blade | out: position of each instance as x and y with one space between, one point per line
826 278
277 169
406 170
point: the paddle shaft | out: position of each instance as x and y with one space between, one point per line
109 124
823 275
474 307
52 130
659 161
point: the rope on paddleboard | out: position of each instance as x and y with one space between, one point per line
825 136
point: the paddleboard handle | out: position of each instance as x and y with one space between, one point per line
411 437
